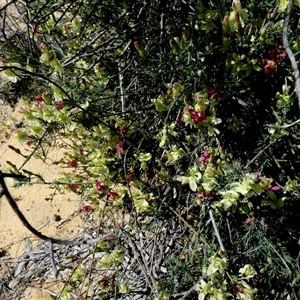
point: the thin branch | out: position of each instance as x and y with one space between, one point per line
185 294
34 150
121 91
285 125
212 218
260 153
52 259
289 51
281 258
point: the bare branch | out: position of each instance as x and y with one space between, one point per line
289 51
216 230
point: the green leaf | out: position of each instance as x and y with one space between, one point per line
237 187
144 157
283 4
192 184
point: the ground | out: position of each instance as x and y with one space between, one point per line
31 201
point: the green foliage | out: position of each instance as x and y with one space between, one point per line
155 97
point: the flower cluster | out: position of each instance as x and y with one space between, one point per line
197 116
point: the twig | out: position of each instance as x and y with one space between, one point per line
189 226
94 251
212 218
121 90
52 259
184 294
259 153
281 258
34 150
289 51
285 125
229 231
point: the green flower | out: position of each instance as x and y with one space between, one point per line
58 93
113 258
205 288
217 264
11 74
78 274
247 272
37 129
100 73
124 288
21 136
163 134
191 179
245 291
141 200
143 158
160 103
229 201
57 66
121 191
284 3
174 154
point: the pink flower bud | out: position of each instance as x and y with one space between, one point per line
41 46
112 195
120 147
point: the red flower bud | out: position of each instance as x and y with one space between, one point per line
228 63
225 24
137 46
237 16
140 49
100 186
173 44
72 163
197 116
180 122
73 187
123 130
185 33
39 98
86 208
41 46
60 105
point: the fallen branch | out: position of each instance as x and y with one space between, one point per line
20 215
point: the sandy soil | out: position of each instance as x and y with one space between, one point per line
31 201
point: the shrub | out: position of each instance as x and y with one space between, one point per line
174 116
